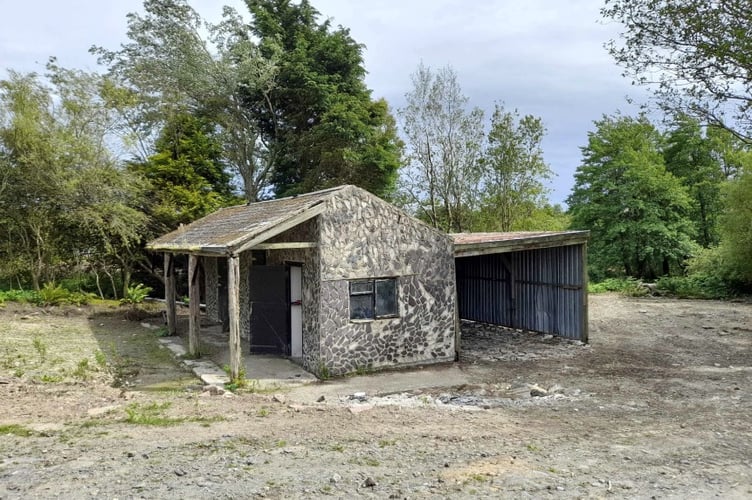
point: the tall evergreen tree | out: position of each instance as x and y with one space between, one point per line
322 125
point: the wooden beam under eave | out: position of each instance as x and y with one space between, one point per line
233 291
194 306
169 270
273 231
285 245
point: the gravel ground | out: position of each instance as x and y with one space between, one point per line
656 406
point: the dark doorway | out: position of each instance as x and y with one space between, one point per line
270 305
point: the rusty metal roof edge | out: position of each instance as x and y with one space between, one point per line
534 240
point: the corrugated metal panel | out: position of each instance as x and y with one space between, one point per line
541 290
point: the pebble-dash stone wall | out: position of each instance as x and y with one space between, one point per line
364 237
212 287
309 259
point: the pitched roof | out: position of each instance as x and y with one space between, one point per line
228 229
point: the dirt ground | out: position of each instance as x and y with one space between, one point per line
657 406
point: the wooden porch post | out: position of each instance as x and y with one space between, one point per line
194 314
169 270
233 291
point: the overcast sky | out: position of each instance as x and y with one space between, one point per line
543 57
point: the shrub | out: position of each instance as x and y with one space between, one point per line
625 286
136 294
55 295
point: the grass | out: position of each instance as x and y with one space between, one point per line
16 430
629 287
154 414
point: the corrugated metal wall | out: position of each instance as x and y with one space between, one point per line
541 290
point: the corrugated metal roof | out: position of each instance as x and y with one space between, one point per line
469 244
229 228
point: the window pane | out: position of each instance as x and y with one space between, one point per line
386 297
361 306
357 287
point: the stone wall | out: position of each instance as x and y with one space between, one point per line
365 237
245 295
309 258
212 288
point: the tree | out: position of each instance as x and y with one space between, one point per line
444 140
514 171
321 124
170 68
690 156
736 226
64 198
697 54
637 212
186 176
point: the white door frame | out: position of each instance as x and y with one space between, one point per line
296 311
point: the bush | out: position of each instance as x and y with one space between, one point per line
55 295
695 286
136 294
23 296
625 286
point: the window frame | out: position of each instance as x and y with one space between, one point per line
372 293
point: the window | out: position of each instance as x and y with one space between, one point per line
375 298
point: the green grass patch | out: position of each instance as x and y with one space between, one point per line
154 414
16 430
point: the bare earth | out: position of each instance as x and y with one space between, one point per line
657 406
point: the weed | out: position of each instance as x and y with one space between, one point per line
162 332
281 443
480 478
263 412
324 373
150 414
135 294
50 379
81 369
16 430
338 447
100 358
326 489
18 372
533 448
363 370
41 348
383 443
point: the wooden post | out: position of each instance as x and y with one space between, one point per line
194 314
233 292
584 327
169 270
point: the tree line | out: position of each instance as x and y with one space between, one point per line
189 116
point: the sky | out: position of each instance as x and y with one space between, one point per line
541 57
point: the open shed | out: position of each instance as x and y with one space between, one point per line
341 281
527 280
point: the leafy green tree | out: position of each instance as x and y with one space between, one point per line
321 124
736 227
64 199
444 141
186 175
637 212
514 171
695 53
690 156
176 64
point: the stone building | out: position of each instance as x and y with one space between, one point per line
338 280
